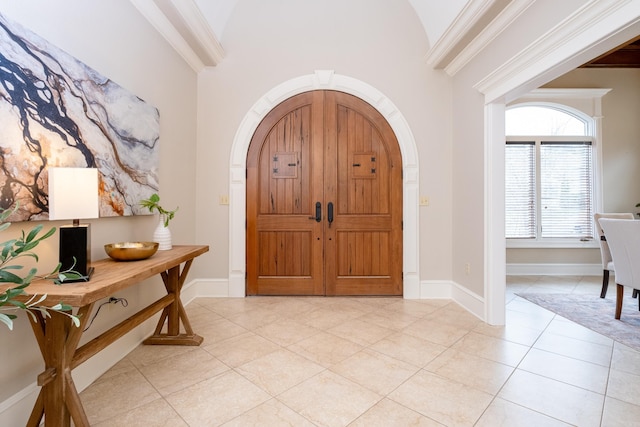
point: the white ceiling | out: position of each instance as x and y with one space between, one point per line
436 16
195 27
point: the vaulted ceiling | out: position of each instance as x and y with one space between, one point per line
195 27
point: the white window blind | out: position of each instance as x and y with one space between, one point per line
566 189
520 179
548 189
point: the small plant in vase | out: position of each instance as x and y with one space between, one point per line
162 234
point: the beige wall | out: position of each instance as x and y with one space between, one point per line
266 46
113 38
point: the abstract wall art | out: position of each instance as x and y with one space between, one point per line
57 111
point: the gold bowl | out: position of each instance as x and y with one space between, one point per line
131 251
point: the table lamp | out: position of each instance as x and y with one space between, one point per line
73 194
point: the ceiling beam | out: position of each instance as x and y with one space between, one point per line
182 24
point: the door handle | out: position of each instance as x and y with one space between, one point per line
330 213
318 216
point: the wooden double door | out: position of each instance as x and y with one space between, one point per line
324 200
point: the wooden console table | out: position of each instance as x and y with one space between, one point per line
58 338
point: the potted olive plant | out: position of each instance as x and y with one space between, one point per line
14 280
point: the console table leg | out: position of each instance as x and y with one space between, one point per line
37 412
56 412
58 400
173 311
73 402
174 315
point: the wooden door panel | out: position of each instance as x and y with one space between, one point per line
365 238
363 254
284 185
363 165
331 148
284 253
284 246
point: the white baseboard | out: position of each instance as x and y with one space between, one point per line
435 289
214 288
554 269
15 410
442 289
471 301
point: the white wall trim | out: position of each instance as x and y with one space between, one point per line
435 289
447 289
323 80
562 94
495 243
488 34
205 288
199 32
471 13
516 269
558 46
13 410
470 301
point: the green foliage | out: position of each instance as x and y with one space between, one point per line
10 272
153 202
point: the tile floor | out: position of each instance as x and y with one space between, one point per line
274 361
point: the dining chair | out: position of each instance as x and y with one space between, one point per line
623 237
605 254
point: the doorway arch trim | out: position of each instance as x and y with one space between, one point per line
323 80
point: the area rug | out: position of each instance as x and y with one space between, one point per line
595 313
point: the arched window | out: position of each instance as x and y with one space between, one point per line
548 119
549 164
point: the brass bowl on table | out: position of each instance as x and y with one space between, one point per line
131 251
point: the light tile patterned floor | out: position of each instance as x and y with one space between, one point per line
271 361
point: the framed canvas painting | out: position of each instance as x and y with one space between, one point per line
56 111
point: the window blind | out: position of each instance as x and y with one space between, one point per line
520 190
566 205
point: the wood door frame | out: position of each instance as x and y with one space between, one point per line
323 80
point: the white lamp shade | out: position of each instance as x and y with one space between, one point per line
73 193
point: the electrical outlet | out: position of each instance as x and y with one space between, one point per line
224 199
424 201
467 268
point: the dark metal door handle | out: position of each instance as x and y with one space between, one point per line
318 216
330 213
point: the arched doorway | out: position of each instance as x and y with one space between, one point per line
324 200
329 81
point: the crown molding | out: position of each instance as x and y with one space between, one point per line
558 46
182 24
559 93
466 19
488 34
